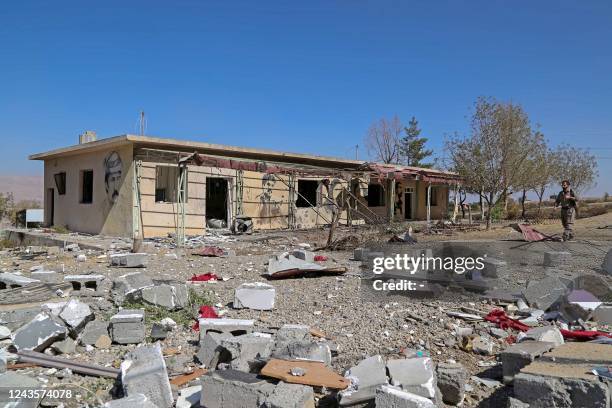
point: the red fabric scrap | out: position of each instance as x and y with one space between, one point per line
210 251
320 258
500 318
204 277
206 312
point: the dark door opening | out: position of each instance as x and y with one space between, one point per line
50 206
216 202
408 205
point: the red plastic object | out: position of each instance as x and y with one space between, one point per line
211 251
204 277
320 258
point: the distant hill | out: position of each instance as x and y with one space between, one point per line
22 187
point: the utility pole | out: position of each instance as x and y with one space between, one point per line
356 152
142 123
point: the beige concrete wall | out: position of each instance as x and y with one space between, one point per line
108 214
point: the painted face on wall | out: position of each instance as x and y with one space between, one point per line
267 183
112 175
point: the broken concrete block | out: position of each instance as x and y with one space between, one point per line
144 372
233 326
521 354
246 349
232 388
360 254
515 403
415 375
127 326
93 331
392 397
84 282
287 395
11 380
45 276
211 352
451 379
103 342
557 258
170 296
12 280
304 255
189 397
493 268
138 260
549 334
607 263
129 286
5 332
303 350
14 319
39 334
158 331
292 332
365 378
282 263
76 314
66 346
482 345
256 295
132 401
603 314
544 293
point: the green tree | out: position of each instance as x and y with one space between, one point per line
412 146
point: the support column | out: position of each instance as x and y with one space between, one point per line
391 201
428 204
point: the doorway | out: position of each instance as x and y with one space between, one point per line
408 199
50 207
217 202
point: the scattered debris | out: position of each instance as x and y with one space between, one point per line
317 374
256 295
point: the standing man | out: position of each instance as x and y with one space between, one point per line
568 202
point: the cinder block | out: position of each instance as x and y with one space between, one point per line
12 280
45 276
292 332
245 350
365 378
232 389
521 354
93 331
76 314
307 350
211 352
39 334
128 326
171 296
84 282
451 382
291 396
415 375
138 260
392 397
256 295
233 326
129 286
544 293
144 372
494 268
557 258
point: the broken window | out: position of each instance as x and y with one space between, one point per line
433 200
86 186
166 184
60 182
307 193
376 195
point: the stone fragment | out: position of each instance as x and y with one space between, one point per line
132 401
45 276
549 334
211 352
521 354
303 350
129 286
232 389
246 349
415 375
493 268
287 395
66 346
76 314
93 331
128 326
144 372
365 377
557 258
544 293
170 296
39 334
256 295
189 397
12 280
137 260
103 342
14 319
451 379
233 326
392 397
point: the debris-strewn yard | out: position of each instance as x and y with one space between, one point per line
269 320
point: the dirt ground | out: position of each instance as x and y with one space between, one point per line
359 325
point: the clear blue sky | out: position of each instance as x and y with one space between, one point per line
298 76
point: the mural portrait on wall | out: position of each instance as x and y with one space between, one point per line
113 169
268 207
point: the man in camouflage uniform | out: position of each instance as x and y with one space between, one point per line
568 202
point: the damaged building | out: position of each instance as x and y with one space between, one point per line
141 186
